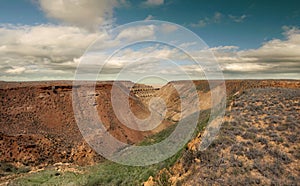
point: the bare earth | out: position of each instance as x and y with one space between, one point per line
258 143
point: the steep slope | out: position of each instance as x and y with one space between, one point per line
257 144
204 93
37 123
38 128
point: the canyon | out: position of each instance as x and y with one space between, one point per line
38 127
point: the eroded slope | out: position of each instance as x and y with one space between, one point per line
257 144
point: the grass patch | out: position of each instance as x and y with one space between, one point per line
8 168
110 173
160 136
156 138
51 177
106 173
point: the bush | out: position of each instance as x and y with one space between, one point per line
254 153
280 156
249 135
262 140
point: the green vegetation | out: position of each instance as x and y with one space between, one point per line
203 119
7 168
159 136
109 173
51 177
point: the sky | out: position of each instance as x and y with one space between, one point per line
50 39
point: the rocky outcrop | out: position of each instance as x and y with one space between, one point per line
143 91
37 123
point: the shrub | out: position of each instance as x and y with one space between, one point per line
280 156
249 135
254 153
262 140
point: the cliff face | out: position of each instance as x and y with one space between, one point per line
37 123
173 100
143 91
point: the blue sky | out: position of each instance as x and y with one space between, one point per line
263 21
250 29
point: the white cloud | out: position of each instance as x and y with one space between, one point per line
129 55
153 2
222 48
88 14
137 33
53 51
45 40
277 50
167 28
200 23
15 70
244 67
149 17
238 19
187 45
278 57
216 18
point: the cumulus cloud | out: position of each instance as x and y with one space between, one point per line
134 62
137 33
54 51
27 50
277 50
88 14
278 57
44 40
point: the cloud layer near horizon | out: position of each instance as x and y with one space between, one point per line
52 52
